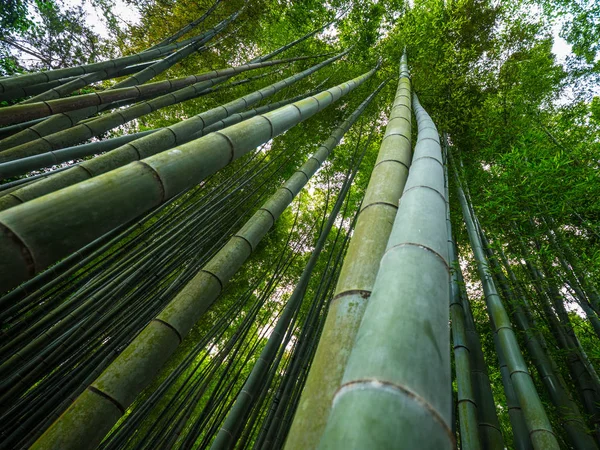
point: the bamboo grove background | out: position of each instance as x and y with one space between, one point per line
264 224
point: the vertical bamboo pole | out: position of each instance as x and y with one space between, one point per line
396 387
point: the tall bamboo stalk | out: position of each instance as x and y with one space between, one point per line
467 402
397 384
358 271
24 165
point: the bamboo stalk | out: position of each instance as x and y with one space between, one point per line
467 401
397 384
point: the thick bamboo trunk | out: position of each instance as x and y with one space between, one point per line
235 419
358 272
397 384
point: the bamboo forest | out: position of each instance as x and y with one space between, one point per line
300 224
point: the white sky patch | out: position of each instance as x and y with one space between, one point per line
97 22
560 47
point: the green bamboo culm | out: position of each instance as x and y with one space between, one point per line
490 432
397 384
42 231
30 90
87 420
234 421
164 139
466 402
536 420
358 271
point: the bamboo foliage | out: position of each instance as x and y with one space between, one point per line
85 211
84 424
163 139
396 387
358 271
186 29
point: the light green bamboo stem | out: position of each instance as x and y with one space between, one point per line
540 430
85 423
35 89
40 232
396 389
467 401
164 139
358 272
